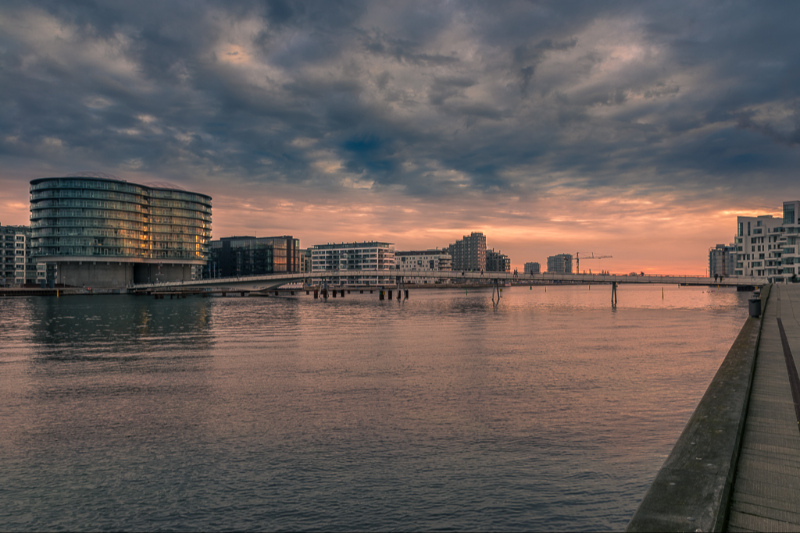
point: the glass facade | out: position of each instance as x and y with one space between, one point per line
788 213
87 217
250 255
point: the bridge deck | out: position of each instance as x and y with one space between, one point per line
275 280
766 490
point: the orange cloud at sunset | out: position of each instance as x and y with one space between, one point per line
555 129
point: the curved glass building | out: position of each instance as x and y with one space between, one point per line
105 232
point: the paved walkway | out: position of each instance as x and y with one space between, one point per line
766 490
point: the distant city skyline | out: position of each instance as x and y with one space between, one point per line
636 130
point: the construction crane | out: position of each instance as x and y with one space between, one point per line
591 256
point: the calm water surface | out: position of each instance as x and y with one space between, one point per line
552 412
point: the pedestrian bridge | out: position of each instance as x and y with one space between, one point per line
337 277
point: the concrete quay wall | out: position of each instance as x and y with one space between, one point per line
692 491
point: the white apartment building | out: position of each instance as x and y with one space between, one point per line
426 261
768 246
17 265
337 258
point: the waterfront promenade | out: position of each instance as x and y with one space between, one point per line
766 488
736 466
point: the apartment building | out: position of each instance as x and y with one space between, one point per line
469 253
768 246
722 260
559 264
17 265
426 261
357 256
497 262
532 268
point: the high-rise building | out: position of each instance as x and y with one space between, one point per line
722 260
469 253
426 261
252 256
532 268
371 256
559 264
106 232
497 262
17 265
768 246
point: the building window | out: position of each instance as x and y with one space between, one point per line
788 214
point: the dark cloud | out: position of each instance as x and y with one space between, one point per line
441 100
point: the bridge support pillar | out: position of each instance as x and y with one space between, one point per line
496 290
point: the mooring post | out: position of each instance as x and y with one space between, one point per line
613 293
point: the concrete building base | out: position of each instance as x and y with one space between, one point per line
109 274
152 273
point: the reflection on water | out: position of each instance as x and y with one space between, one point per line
553 411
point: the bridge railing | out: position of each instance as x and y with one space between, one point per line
454 275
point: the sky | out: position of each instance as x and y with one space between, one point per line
637 130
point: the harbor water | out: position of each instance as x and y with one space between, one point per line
553 411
